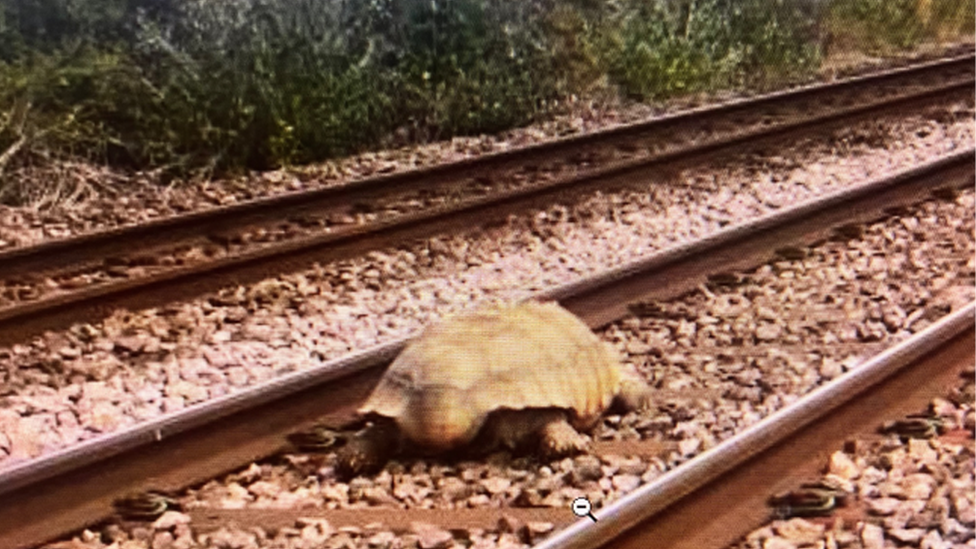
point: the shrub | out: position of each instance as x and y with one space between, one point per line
881 26
202 85
664 47
259 83
878 24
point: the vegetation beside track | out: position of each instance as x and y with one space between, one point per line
883 27
208 86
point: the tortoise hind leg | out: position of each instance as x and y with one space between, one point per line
368 452
634 394
544 432
558 439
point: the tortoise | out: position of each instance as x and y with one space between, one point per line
500 377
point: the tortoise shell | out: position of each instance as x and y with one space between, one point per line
446 383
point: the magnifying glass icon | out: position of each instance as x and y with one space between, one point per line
582 508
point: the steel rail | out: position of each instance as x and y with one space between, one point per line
75 487
97 301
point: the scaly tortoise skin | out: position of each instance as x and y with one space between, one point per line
500 377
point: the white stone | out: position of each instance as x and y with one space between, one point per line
843 466
918 486
873 475
104 417
626 483
431 537
883 506
922 450
689 446
778 543
872 536
170 519
800 531
907 535
265 489
933 540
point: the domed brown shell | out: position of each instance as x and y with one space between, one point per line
444 385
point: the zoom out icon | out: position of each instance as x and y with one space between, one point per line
582 508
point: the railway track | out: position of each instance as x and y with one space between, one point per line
84 278
910 481
76 487
732 483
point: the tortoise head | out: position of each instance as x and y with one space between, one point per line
440 418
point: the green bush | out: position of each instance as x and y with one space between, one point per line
259 83
950 19
46 26
465 66
255 86
882 26
202 85
879 24
661 48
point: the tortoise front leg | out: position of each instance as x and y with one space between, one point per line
558 439
367 452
